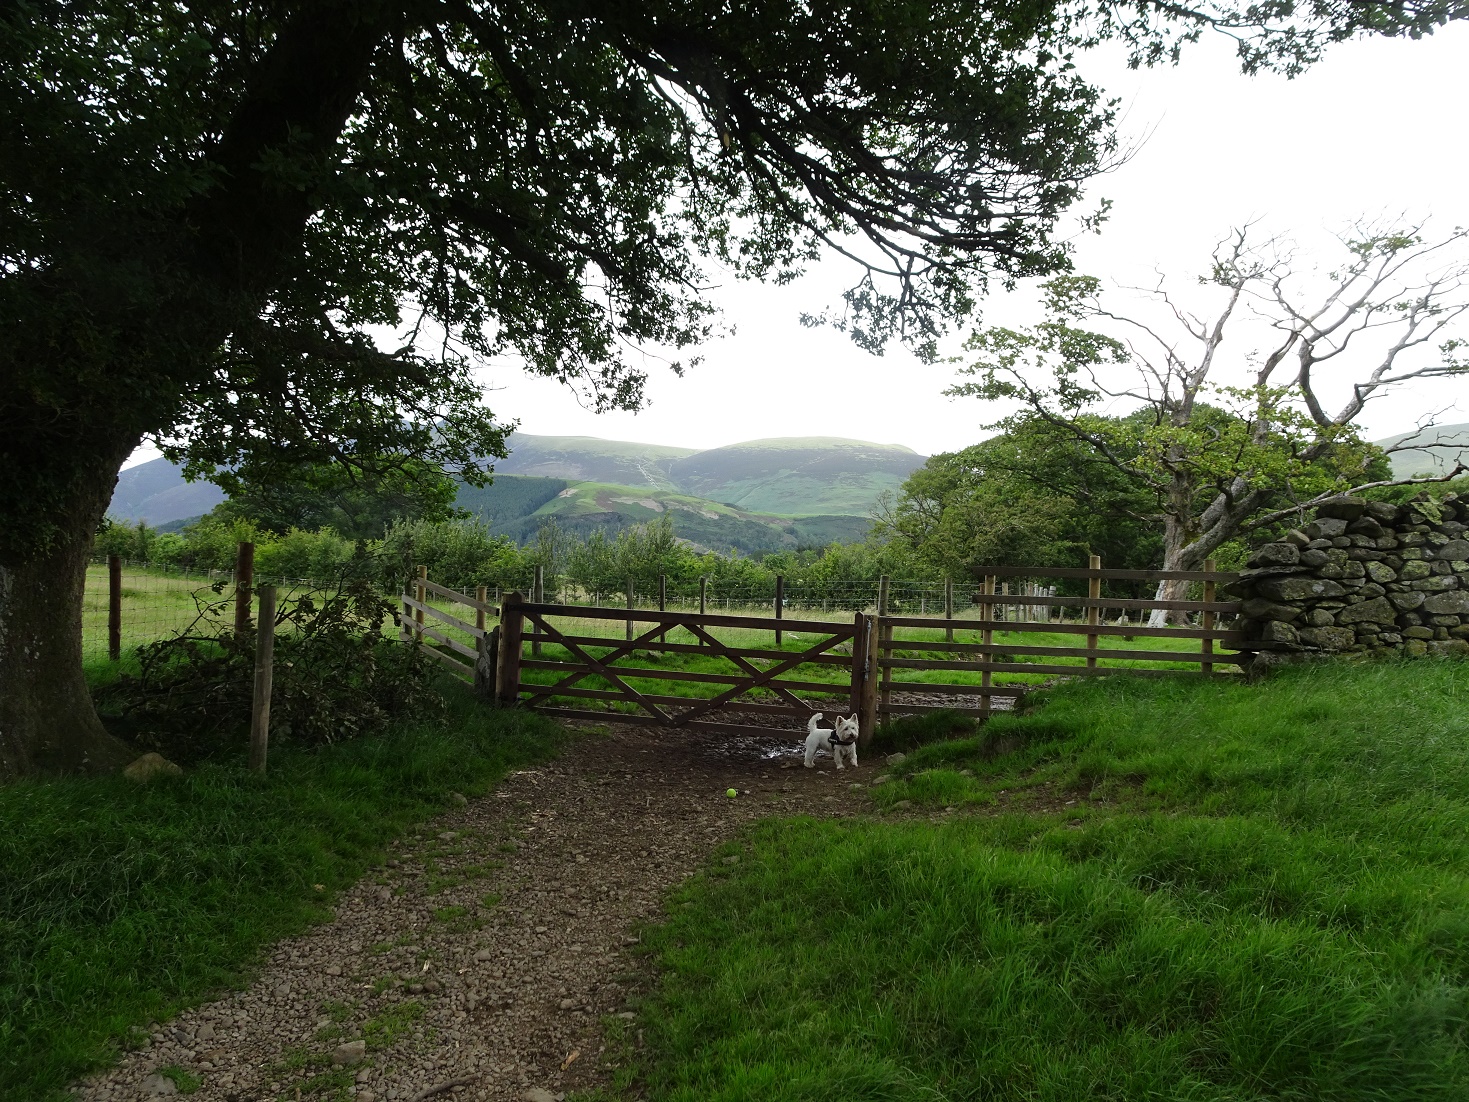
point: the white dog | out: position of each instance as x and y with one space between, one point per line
841 742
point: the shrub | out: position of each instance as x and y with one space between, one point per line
336 677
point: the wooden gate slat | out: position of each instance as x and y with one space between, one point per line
703 648
601 669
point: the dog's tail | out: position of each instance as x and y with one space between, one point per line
811 723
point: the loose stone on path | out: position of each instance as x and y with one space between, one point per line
488 949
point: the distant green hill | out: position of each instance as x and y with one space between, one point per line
789 476
797 475
1445 445
757 496
516 505
589 459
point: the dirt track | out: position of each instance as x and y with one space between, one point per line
486 952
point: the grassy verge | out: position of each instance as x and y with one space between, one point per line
120 904
1219 892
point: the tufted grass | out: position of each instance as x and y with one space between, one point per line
120 904
1172 890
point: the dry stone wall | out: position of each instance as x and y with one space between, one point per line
1364 577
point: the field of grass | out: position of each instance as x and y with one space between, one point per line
119 903
1167 889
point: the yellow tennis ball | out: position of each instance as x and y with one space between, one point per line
731 793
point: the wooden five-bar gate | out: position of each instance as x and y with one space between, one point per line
876 662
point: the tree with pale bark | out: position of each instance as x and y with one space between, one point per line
1223 447
208 208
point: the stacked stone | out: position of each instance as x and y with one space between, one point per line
1364 576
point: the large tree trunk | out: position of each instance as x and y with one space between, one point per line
1176 546
47 722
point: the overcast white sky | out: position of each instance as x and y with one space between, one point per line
1377 128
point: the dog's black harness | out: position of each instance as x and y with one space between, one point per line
840 741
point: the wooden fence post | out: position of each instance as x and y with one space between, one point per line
512 624
1093 614
862 674
485 650
538 595
487 664
420 594
949 608
882 644
987 637
629 608
1207 621
264 674
703 594
114 608
244 579
780 587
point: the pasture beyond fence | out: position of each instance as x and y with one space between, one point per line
696 662
710 670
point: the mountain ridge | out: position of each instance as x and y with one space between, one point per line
763 480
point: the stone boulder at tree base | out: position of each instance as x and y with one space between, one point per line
1364 577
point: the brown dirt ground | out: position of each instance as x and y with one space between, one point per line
487 949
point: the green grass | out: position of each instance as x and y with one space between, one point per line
1241 892
120 904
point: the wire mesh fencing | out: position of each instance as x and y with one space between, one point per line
155 602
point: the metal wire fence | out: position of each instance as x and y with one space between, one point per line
158 601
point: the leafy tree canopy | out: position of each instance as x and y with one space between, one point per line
1029 496
204 207
208 209
355 502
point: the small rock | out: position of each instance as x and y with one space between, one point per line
349 1053
448 836
433 987
283 991
363 1076
385 895
855 786
483 955
145 769
881 780
333 969
627 1015
538 1094
206 1032
897 759
734 860
902 805
366 1095
566 1004
459 798
159 1084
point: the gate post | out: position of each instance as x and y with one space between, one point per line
780 585
538 595
862 678
487 665
882 639
512 624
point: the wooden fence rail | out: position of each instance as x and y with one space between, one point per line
885 656
987 658
438 644
777 682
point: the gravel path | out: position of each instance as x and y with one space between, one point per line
482 956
